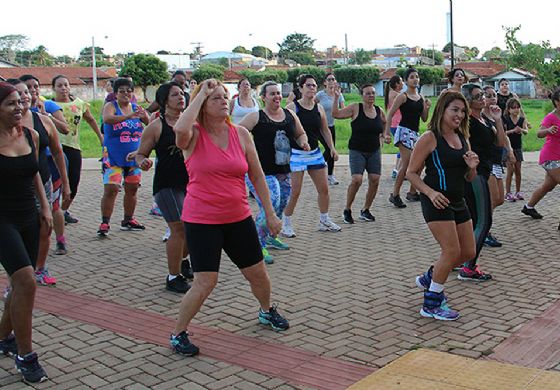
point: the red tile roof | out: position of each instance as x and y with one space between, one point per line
75 75
386 75
481 68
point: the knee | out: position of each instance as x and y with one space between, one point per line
373 180
452 253
468 253
23 281
130 189
110 191
204 284
356 181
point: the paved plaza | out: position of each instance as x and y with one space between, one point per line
350 298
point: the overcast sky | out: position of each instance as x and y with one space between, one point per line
65 26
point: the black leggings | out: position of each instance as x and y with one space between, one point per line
19 245
477 195
327 153
74 157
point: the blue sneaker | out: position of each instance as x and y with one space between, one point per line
8 346
276 243
181 344
433 307
267 257
491 241
274 319
30 368
423 281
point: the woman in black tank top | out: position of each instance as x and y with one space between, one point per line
314 121
413 107
48 137
448 159
170 179
368 122
19 229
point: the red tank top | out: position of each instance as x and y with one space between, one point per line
216 193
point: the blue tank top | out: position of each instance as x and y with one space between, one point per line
122 138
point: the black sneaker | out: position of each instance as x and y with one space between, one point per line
273 318
178 285
60 249
186 269
8 346
347 216
365 215
30 368
475 275
181 344
69 218
413 197
533 213
132 225
397 201
492 241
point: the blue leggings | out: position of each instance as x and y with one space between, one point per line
280 188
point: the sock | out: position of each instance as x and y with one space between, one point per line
287 219
324 217
436 287
106 220
529 207
171 277
127 218
61 239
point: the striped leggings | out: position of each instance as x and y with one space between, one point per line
477 195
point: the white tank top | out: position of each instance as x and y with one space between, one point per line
239 112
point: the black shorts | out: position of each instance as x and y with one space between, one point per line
239 240
456 211
19 245
170 202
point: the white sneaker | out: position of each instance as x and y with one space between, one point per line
328 226
288 231
166 236
332 180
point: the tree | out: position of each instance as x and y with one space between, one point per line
208 71
223 61
427 74
301 58
494 53
101 59
257 78
361 57
296 43
10 44
437 56
262 51
145 70
357 75
539 59
470 52
64 60
315 71
241 49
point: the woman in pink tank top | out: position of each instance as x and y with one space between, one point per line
218 155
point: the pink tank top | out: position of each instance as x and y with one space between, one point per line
216 193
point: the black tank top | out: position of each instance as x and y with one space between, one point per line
170 169
514 139
502 100
365 131
482 139
44 170
411 112
264 134
311 122
446 168
17 198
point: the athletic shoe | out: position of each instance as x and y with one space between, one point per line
276 243
510 197
397 201
132 225
179 284
181 344
274 319
155 211
267 257
30 368
43 277
433 307
103 230
8 346
332 180
347 216
533 213
413 197
166 236
365 215
287 229
69 218
519 196
394 174
475 274
60 249
186 269
491 241
328 225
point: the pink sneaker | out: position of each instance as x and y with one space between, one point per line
519 196
43 277
510 197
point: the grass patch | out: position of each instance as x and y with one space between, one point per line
535 110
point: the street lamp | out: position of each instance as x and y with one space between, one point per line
451 33
94 67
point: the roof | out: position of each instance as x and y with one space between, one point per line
45 74
481 68
387 74
226 54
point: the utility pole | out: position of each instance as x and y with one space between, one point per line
451 28
93 65
346 48
198 48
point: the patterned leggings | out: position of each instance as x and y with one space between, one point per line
280 188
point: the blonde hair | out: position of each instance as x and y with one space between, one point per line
437 117
200 118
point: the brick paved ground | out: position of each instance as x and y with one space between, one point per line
349 295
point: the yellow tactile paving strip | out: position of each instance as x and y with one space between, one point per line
425 369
